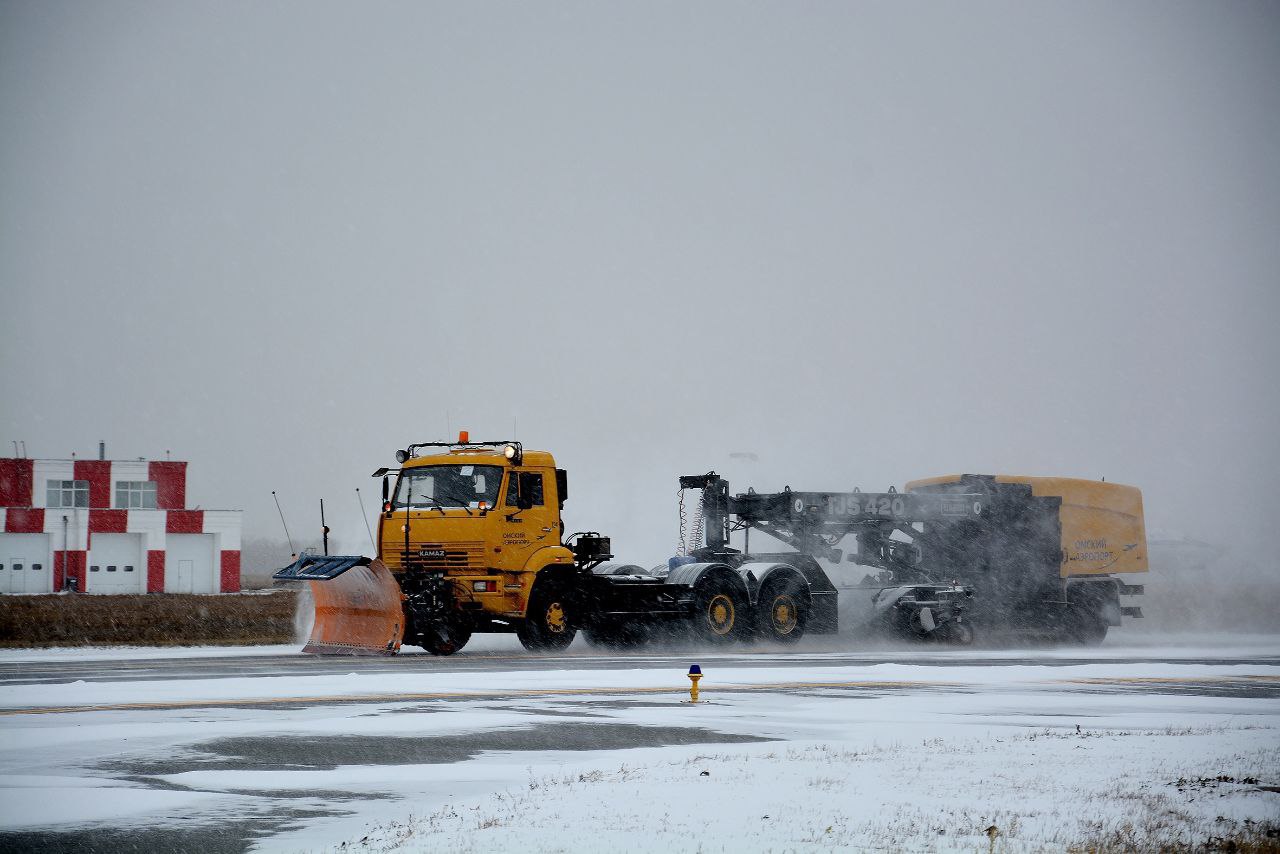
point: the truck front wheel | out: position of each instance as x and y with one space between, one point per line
444 638
546 626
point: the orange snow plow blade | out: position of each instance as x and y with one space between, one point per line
358 608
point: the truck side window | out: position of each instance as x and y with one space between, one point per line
530 488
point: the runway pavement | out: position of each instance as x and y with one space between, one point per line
503 653
137 724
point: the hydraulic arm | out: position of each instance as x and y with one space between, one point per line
816 522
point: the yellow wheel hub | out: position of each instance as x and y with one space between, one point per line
785 616
720 614
556 620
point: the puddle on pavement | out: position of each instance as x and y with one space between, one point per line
294 752
225 837
563 712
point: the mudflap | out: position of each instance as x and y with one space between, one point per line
359 612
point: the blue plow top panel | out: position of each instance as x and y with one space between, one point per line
319 567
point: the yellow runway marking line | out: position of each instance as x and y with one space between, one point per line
456 695
1165 680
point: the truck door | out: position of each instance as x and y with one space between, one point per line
530 522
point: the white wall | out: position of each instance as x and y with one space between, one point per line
226 524
151 524
77 527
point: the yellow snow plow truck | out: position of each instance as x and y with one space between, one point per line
470 539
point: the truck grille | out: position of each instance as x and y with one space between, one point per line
456 557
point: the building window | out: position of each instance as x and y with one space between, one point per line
68 493
136 494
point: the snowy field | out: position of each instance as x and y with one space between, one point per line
975 755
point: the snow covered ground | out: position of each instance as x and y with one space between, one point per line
829 756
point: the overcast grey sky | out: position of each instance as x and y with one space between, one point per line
867 242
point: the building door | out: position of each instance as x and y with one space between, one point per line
189 564
116 564
186 575
25 565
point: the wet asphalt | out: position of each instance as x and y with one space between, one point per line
221 667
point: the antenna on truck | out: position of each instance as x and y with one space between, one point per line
324 528
360 501
283 524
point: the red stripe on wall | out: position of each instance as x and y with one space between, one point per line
231 572
24 520
78 568
171 484
184 522
155 571
108 521
15 482
98 473
68 565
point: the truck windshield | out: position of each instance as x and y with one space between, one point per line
448 486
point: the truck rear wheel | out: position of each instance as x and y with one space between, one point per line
954 632
719 612
546 626
1085 626
781 612
1083 622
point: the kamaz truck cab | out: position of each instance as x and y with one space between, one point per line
465 532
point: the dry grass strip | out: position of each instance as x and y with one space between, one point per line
157 619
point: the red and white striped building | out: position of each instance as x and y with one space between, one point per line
111 526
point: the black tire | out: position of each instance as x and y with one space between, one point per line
1079 625
782 612
446 639
1086 627
547 626
954 633
720 612
901 624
